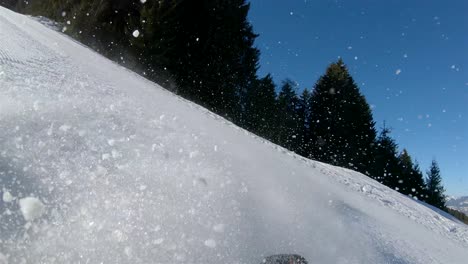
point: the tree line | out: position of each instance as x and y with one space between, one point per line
459 215
204 51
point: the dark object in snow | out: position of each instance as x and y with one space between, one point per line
285 259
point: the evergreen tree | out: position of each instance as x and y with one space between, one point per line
411 178
288 125
435 189
261 108
341 121
418 184
9 3
303 115
406 172
385 169
213 59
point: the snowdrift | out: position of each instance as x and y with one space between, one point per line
99 165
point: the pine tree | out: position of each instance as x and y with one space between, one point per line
435 189
303 115
213 58
406 172
418 183
288 122
261 108
341 121
386 168
9 3
411 178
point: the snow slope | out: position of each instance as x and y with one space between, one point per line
111 168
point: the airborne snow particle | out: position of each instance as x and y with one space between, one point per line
31 208
355 57
64 128
158 241
105 156
136 33
119 236
397 72
210 243
7 197
219 228
111 142
142 1
193 154
115 154
36 105
128 251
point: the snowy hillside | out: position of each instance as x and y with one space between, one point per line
98 165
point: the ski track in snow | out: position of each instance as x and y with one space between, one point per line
129 173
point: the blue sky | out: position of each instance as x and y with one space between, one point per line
409 57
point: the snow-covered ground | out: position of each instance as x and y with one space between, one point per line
98 165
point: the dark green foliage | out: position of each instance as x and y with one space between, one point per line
459 215
435 189
303 115
260 112
288 121
386 167
214 60
9 3
397 171
418 184
411 181
341 123
406 170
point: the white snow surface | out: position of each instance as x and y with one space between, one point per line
123 185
